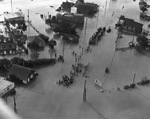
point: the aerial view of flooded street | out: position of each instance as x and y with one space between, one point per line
75 59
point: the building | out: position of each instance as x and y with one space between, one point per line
129 26
66 6
87 8
22 74
6 87
14 18
38 40
71 18
7 46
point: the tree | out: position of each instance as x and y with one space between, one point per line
45 38
33 45
142 41
5 64
143 9
17 60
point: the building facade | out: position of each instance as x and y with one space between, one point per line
21 73
7 46
129 26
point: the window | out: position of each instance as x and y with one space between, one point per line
31 76
10 51
25 81
28 79
5 52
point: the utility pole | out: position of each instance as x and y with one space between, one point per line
117 41
15 109
97 16
28 20
134 78
28 15
63 52
84 91
105 7
85 26
11 7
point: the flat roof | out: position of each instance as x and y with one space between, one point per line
14 15
4 84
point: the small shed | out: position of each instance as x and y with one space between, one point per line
23 74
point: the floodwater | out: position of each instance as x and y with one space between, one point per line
46 100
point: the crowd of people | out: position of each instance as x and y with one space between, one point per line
66 80
97 36
76 69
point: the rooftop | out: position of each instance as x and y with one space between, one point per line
19 71
8 15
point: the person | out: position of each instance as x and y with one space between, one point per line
107 70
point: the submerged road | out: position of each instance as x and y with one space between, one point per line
44 99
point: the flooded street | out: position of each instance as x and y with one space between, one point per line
44 99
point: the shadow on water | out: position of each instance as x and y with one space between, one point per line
95 110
